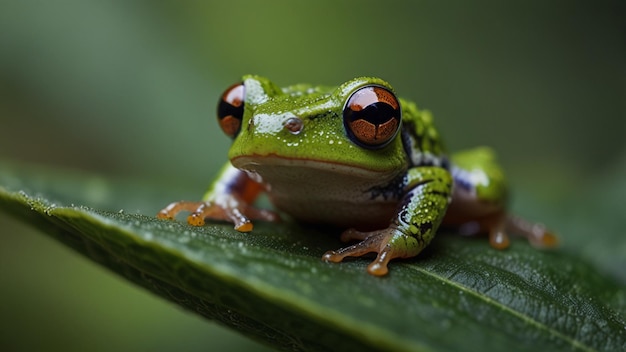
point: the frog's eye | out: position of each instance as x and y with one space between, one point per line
230 109
372 116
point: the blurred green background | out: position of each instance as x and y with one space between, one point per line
128 89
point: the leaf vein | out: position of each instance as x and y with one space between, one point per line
524 317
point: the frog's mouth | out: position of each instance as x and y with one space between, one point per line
267 166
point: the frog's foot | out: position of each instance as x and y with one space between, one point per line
389 243
537 234
499 225
230 210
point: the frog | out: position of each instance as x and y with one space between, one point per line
356 157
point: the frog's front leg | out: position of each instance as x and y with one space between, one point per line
229 199
428 191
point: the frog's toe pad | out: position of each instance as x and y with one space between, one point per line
499 239
547 240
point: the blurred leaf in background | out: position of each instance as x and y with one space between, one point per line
128 88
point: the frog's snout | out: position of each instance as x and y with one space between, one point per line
294 125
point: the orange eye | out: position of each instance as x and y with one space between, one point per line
372 116
230 109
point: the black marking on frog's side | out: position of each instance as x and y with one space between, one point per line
414 148
424 227
428 159
410 140
393 190
445 163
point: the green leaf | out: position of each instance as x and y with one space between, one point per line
271 284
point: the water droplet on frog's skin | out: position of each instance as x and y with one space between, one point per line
294 125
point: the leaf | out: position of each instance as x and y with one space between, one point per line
271 284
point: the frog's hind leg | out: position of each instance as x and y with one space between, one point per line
479 202
500 225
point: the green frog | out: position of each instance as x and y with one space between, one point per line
357 157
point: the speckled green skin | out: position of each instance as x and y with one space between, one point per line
408 183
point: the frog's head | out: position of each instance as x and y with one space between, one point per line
350 129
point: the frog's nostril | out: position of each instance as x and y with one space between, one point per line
294 125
